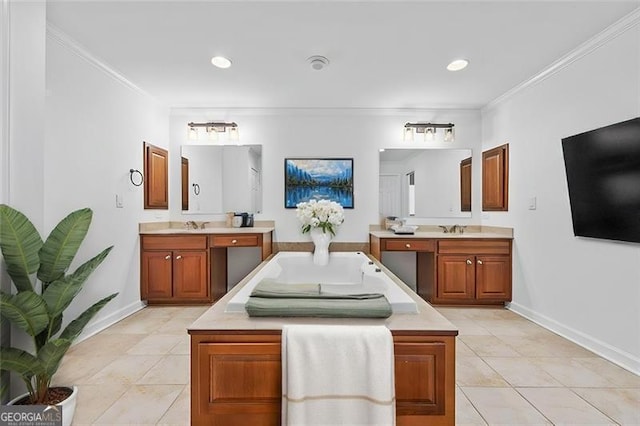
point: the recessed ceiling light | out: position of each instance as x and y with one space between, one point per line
221 62
458 65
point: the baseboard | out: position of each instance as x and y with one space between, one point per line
97 326
613 354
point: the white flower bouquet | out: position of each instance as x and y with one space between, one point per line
323 214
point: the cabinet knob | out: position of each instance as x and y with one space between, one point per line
168 257
407 245
178 257
234 241
479 262
469 262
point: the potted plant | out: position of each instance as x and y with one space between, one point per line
39 302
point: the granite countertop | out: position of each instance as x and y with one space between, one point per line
427 318
439 235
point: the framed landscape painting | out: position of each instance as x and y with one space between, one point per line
308 179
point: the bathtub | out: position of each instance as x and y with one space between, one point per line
347 272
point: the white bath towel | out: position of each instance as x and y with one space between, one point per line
337 375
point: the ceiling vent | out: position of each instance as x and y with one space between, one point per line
318 62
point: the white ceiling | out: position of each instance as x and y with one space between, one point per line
383 54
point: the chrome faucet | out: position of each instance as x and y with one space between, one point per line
191 225
203 224
444 229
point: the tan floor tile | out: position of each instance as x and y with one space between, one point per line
571 373
466 414
105 344
183 347
513 328
462 349
76 369
539 345
170 370
179 412
155 344
487 313
127 369
93 400
175 326
562 406
453 313
138 324
503 406
469 327
141 404
473 371
618 376
191 312
622 405
488 346
521 371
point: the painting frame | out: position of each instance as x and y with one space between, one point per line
318 178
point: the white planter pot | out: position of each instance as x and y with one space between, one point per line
68 406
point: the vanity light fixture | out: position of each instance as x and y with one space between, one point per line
428 130
213 128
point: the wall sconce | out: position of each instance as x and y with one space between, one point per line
213 129
429 131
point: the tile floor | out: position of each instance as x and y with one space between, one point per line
509 371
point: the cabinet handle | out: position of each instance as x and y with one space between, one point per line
234 241
469 262
178 257
407 245
479 262
168 257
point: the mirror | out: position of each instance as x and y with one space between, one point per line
221 178
425 183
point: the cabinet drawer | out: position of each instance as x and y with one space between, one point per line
409 244
234 240
474 247
174 242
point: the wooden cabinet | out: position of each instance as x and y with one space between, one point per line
179 268
174 269
495 179
473 271
156 177
236 379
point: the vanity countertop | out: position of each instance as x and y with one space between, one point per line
171 228
434 232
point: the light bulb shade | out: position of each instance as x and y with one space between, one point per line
213 134
407 134
449 135
234 135
429 133
192 133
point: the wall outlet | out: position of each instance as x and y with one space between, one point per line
119 201
533 203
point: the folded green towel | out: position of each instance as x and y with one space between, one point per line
378 307
269 288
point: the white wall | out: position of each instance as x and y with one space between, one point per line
586 289
95 127
324 133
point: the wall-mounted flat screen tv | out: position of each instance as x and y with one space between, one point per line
603 176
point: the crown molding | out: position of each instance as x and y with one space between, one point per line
614 30
56 34
329 112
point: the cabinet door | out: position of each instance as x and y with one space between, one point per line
156 177
456 276
156 274
190 274
495 179
493 277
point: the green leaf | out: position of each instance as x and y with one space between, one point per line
20 362
26 310
20 243
76 326
63 243
51 354
60 293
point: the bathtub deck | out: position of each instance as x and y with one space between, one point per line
236 376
